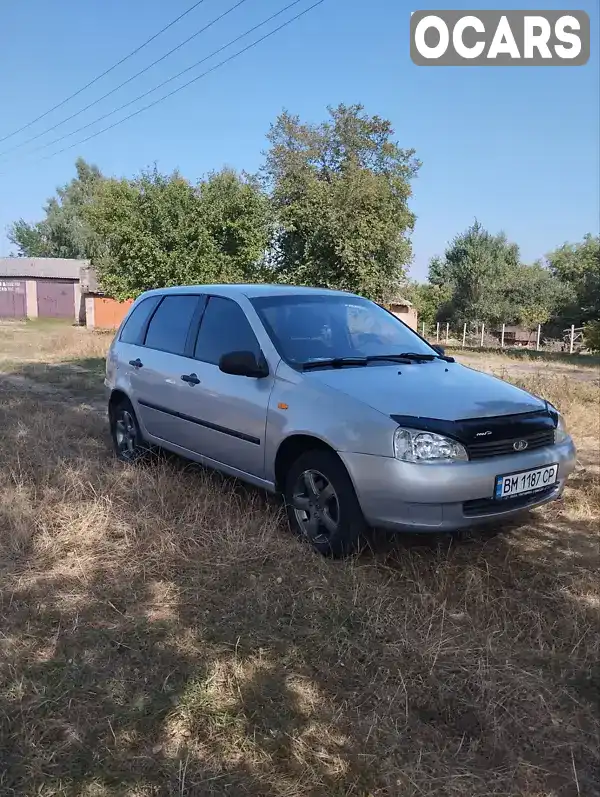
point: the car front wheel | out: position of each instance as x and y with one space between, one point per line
322 506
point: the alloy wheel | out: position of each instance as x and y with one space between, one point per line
126 437
316 506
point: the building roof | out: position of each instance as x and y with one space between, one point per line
45 267
401 300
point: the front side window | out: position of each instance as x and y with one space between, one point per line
224 329
134 326
305 328
170 324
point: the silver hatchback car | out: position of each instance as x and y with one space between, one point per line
331 400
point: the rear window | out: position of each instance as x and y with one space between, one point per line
134 326
170 324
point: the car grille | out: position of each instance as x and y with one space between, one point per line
489 506
497 448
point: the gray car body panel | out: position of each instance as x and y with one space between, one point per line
237 424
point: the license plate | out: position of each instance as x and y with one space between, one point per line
527 481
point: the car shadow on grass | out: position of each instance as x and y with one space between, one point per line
162 634
82 378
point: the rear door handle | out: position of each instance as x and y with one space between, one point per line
136 363
191 379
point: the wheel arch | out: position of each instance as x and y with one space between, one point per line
291 448
116 397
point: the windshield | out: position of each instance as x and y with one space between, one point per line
305 328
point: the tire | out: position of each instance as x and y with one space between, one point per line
128 443
322 506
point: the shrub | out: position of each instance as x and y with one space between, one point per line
591 335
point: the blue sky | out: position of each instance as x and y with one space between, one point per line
516 147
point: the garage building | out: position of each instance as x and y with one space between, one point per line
41 287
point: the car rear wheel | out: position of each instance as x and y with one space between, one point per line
322 506
127 440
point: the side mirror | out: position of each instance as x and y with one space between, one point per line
439 349
243 363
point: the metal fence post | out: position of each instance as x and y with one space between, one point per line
464 333
482 330
423 329
447 329
502 343
437 332
572 338
537 343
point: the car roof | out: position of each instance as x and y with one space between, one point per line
246 289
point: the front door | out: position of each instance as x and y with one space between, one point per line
229 412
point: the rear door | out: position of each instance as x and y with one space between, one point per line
128 344
157 370
229 412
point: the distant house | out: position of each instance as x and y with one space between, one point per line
518 336
44 287
405 311
55 287
101 312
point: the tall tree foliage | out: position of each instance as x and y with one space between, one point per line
480 278
64 231
340 191
474 268
578 267
160 230
533 295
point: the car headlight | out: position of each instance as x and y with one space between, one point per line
412 445
561 434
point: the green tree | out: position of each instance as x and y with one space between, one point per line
236 214
591 336
578 267
160 230
64 231
340 191
475 271
430 300
533 295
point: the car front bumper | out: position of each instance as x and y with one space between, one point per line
403 496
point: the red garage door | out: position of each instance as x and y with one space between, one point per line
55 299
13 302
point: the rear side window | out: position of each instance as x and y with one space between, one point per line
134 326
170 324
224 329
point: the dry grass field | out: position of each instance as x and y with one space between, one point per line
161 632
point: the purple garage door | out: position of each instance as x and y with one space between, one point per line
55 299
13 301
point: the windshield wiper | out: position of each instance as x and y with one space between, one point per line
405 358
421 357
334 362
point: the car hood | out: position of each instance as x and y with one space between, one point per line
438 389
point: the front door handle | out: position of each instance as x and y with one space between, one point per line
191 379
136 363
